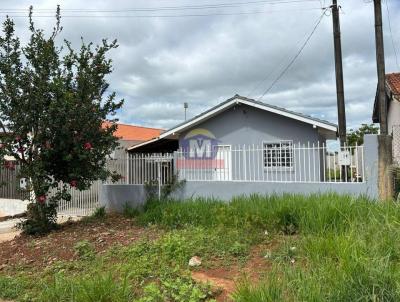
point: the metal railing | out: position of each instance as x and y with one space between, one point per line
147 168
273 163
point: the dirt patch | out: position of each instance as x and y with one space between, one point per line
59 245
8 236
224 279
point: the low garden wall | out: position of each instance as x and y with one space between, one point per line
115 197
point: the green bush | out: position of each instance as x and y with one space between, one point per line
40 218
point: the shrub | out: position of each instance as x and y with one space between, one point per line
40 219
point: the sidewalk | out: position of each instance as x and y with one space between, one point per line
8 225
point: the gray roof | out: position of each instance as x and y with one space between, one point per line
237 96
330 126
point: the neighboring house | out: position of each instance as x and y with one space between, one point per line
242 137
393 100
393 104
130 135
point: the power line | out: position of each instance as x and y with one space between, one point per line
162 8
391 35
296 56
268 76
167 16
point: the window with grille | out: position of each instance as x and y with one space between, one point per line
278 154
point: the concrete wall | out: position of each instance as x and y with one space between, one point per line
11 207
114 197
244 125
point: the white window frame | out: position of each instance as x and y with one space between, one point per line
278 168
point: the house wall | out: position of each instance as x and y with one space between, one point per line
394 114
394 128
249 126
115 197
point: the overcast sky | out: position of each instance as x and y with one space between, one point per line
163 62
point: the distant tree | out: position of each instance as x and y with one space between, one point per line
53 104
357 136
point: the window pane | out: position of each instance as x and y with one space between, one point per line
278 155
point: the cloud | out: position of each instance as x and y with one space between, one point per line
163 62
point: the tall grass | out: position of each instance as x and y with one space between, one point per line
307 214
346 248
326 248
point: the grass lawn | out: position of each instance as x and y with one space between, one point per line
290 248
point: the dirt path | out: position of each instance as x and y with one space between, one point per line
225 278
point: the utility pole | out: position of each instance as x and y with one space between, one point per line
385 159
339 87
339 74
380 63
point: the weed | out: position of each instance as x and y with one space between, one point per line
99 213
130 212
84 250
11 288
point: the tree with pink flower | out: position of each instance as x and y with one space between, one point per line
53 105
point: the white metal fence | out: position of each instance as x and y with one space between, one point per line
396 144
82 203
283 162
273 163
147 168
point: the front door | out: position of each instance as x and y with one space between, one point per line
223 164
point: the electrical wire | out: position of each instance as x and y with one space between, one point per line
391 35
163 8
167 16
268 76
283 72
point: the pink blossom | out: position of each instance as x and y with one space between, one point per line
87 146
41 198
73 183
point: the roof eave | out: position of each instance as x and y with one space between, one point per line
238 99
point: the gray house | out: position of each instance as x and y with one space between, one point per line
245 140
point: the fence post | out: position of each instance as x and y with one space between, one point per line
127 168
159 179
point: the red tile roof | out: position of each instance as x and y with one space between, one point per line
135 133
393 80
